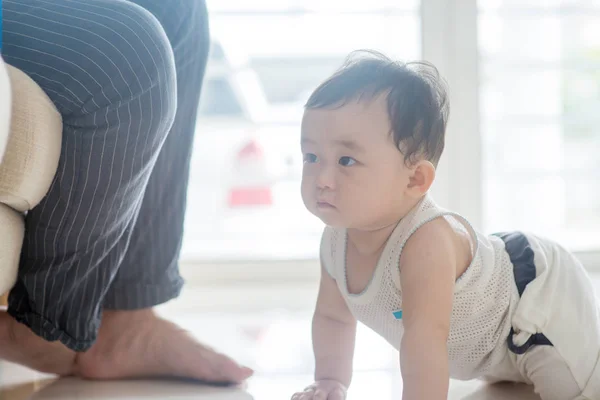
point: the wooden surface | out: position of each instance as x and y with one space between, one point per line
4 300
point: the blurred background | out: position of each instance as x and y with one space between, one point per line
524 133
523 153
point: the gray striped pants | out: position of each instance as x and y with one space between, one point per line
126 77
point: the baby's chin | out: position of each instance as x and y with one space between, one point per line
334 220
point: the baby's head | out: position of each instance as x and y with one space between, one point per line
372 135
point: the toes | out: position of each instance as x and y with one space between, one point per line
337 394
228 370
215 367
307 394
246 372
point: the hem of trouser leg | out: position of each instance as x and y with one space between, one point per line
48 331
136 297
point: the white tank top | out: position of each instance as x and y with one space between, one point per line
484 296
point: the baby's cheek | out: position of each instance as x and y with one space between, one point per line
305 189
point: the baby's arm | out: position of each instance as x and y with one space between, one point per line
333 331
428 273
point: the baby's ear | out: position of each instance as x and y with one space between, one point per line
421 178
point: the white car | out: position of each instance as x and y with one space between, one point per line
244 196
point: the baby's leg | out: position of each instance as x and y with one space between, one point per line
551 376
561 304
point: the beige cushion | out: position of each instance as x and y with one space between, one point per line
11 239
33 148
27 168
5 105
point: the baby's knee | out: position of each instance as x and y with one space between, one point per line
592 388
551 375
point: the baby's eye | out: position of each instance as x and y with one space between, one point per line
347 161
310 158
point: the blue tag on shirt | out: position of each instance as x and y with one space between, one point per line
397 314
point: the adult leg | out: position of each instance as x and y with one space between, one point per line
149 273
115 88
108 66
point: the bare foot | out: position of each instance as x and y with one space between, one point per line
134 344
21 346
130 344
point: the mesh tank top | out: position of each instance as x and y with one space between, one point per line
484 296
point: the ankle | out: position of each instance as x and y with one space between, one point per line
7 336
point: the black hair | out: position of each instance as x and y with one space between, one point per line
417 99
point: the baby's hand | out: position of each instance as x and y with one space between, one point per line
322 390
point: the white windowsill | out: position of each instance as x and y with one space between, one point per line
287 271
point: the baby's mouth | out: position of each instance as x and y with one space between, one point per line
324 205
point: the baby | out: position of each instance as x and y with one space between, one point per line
454 302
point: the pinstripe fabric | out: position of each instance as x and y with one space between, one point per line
126 77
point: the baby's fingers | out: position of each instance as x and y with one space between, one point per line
306 395
320 394
337 394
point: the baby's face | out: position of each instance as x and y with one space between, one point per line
354 175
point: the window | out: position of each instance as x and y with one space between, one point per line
266 58
523 137
540 96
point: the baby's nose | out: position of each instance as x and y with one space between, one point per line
326 179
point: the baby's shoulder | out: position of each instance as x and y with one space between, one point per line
435 236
